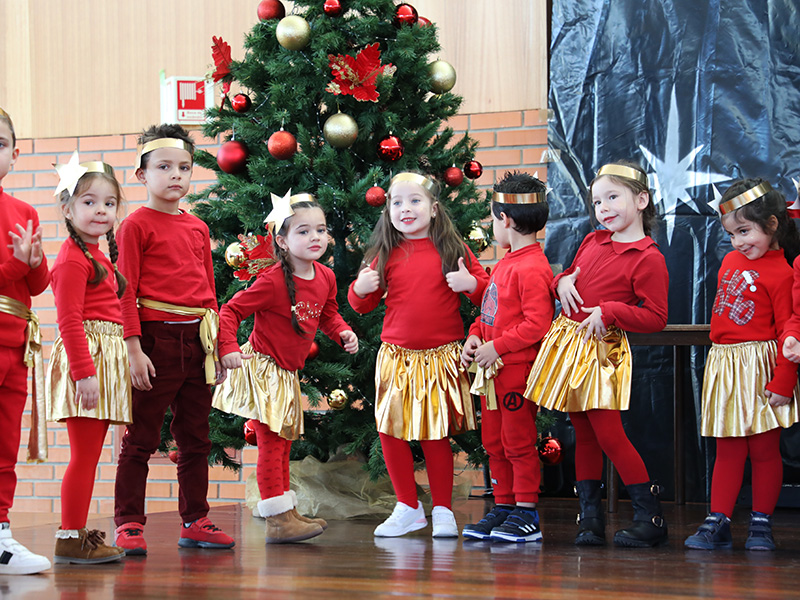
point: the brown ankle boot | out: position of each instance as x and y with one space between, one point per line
321 522
87 548
285 528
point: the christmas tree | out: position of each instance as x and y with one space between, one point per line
334 100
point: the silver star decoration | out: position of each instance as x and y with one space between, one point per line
281 210
69 174
547 188
796 204
673 178
714 204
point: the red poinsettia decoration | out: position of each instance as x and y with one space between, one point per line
258 256
356 76
221 53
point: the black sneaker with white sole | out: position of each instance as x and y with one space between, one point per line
522 525
482 530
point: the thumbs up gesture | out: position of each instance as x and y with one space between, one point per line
368 281
461 280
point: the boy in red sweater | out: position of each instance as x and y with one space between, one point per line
516 313
170 322
23 273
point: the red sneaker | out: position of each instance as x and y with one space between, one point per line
202 533
128 536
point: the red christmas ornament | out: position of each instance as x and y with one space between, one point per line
173 455
313 352
250 432
232 157
550 451
376 196
282 145
390 148
241 103
332 8
453 176
405 14
270 9
473 169
423 22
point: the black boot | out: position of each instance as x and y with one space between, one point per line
592 527
649 528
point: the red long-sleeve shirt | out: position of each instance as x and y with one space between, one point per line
78 301
629 281
754 303
273 335
517 307
792 326
421 310
17 279
164 257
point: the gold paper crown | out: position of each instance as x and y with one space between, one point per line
98 166
746 197
529 198
421 180
70 173
4 114
168 142
623 171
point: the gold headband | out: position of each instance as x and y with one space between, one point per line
623 171
4 114
168 142
98 166
70 173
282 209
530 198
421 180
754 193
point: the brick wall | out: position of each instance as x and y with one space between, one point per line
508 140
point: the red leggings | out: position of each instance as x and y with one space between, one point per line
272 470
438 463
767 471
13 393
86 437
599 431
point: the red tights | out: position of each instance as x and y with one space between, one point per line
599 431
272 470
438 463
767 471
86 437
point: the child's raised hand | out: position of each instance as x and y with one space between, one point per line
776 399
349 341
36 248
21 242
87 392
791 349
567 294
368 281
593 324
233 360
485 355
461 280
468 352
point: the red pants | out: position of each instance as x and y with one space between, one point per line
509 437
180 384
86 437
272 470
13 393
438 463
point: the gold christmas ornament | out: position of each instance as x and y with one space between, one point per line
234 255
478 235
340 130
338 399
293 32
443 76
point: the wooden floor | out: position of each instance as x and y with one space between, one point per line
348 562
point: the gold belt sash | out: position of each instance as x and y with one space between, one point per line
483 384
37 438
209 329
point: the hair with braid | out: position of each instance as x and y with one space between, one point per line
67 200
282 257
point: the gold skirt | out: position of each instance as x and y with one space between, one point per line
422 394
734 404
262 390
110 357
571 376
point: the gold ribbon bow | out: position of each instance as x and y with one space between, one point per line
37 438
209 329
483 384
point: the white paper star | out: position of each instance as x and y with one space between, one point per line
69 174
673 178
714 204
281 210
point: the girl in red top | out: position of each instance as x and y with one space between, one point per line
418 262
749 390
290 299
88 379
618 282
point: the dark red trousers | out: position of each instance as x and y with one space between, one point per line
13 393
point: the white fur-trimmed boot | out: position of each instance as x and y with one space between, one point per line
321 522
282 526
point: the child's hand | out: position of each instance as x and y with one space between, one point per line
220 373
21 242
791 349
593 324
368 281
468 352
567 294
36 248
87 392
233 360
486 355
776 399
142 368
349 341
461 280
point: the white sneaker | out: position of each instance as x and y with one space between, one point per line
16 559
444 523
403 520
